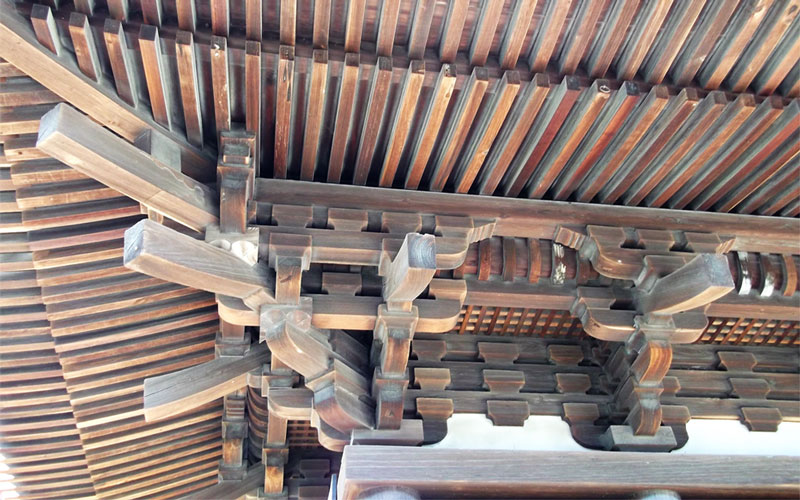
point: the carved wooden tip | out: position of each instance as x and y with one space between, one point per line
134 241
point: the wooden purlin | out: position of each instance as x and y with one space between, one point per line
647 168
110 329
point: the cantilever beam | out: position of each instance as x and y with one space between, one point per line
60 74
166 395
73 138
164 253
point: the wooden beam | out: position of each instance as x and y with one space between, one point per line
376 104
232 489
283 111
61 75
220 83
538 218
84 43
431 472
344 116
164 253
73 138
155 76
184 390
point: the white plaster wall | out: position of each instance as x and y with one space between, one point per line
541 433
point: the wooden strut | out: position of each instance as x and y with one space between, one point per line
675 276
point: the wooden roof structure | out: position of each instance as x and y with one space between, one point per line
267 248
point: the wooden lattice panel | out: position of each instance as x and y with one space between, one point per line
301 434
481 320
751 332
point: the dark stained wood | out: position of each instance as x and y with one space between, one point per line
283 111
220 82
121 64
83 42
190 96
343 118
157 86
314 114
376 104
398 134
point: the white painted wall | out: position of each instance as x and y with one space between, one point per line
541 433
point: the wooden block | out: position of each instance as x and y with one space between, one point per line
83 42
429 350
121 64
508 413
621 438
565 354
432 379
749 388
497 352
573 382
761 419
503 381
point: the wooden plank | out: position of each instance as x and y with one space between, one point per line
750 62
515 128
190 93
283 111
537 218
220 17
433 117
121 64
63 77
646 27
288 22
547 37
232 489
76 140
166 254
317 92
253 92
190 388
376 104
150 48
624 142
45 28
83 42
515 33
354 25
610 37
581 118
712 21
253 20
750 132
728 123
780 62
668 123
485 29
463 114
475 151
118 9
677 147
152 12
420 27
84 6
451 30
344 116
187 15
322 23
430 472
579 35
671 39
730 46
401 124
387 27
597 140
220 83
541 134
